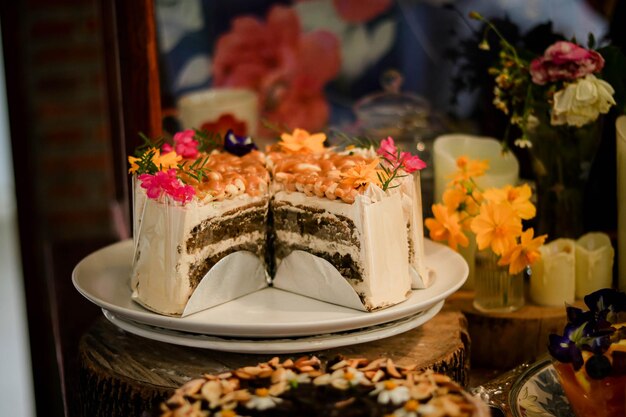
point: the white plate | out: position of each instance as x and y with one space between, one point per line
103 277
276 346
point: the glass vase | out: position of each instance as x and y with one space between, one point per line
496 291
561 159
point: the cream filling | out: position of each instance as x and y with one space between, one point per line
316 244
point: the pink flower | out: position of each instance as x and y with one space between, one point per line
565 61
388 149
287 69
185 144
166 148
166 182
411 163
359 11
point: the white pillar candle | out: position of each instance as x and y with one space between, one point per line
206 106
503 167
594 263
621 200
553 277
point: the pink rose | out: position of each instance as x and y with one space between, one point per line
565 61
286 68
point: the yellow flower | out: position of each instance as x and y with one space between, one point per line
361 174
497 226
469 168
523 254
519 197
167 161
445 226
301 141
162 162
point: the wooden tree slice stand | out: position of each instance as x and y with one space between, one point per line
126 375
505 340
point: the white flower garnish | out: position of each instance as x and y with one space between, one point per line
523 143
262 400
410 409
343 378
391 390
295 379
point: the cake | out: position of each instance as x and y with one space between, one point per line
201 206
590 355
341 206
343 387
216 220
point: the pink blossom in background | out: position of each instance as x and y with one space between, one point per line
286 68
166 182
360 11
564 61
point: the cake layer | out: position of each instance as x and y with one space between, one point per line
306 220
236 222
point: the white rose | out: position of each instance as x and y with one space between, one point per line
582 101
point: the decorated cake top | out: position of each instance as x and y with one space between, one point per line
300 162
594 341
348 387
201 166
198 165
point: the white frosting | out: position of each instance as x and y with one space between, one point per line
381 229
161 267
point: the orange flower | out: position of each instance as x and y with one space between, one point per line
497 226
361 175
525 253
519 197
162 162
445 226
468 169
301 141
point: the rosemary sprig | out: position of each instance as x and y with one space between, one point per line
346 141
208 141
388 174
195 170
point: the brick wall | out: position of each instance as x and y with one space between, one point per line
69 129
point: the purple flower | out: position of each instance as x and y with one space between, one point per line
590 330
565 61
238 145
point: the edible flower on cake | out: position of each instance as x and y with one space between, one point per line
590 355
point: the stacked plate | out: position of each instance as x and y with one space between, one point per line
269 320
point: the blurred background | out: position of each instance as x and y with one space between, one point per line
62 166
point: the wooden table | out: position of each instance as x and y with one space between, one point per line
124 375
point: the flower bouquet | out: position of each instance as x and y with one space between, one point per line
556 101
590 355
494 216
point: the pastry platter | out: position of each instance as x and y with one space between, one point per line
103 278
276 345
